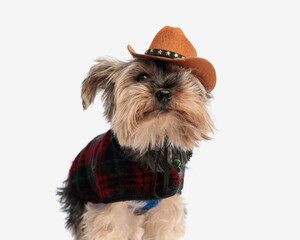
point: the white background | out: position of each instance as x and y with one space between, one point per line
244 184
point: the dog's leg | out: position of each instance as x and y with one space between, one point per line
166 221
113 221
80 234
136 230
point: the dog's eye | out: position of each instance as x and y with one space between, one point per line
142 77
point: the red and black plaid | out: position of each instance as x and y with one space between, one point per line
98 174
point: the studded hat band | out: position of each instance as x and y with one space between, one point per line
163 53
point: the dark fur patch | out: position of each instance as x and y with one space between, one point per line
71 205
161 74
150 157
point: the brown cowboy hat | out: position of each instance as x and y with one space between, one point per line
170 44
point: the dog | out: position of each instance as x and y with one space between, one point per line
126 183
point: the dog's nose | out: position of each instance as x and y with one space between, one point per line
163 96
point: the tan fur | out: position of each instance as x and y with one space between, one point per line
101 77
138 124
116 221
166 221
113 221
80 234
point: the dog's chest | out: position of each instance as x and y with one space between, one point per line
100 175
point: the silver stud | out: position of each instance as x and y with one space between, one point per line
159 51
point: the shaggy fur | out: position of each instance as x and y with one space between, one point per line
141 124
72 206
149 156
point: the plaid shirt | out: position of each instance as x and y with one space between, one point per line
98 174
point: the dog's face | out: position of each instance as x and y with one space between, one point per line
146 100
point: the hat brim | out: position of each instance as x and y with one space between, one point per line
201 67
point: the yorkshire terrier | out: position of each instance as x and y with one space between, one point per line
126 184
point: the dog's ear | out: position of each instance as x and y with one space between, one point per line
100 77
